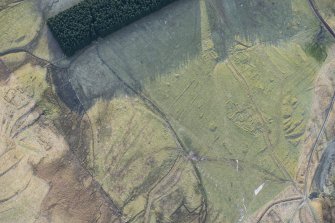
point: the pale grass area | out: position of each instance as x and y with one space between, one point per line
19 25
25 141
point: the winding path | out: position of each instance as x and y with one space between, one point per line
331 105
324 123
155 108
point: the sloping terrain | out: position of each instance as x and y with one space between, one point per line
243 117
205 111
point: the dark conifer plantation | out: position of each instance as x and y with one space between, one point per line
79 25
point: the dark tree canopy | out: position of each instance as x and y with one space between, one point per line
79 25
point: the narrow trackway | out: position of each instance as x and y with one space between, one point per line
155 190
322 20
153 107
23 50
291 199
239 76
328 111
